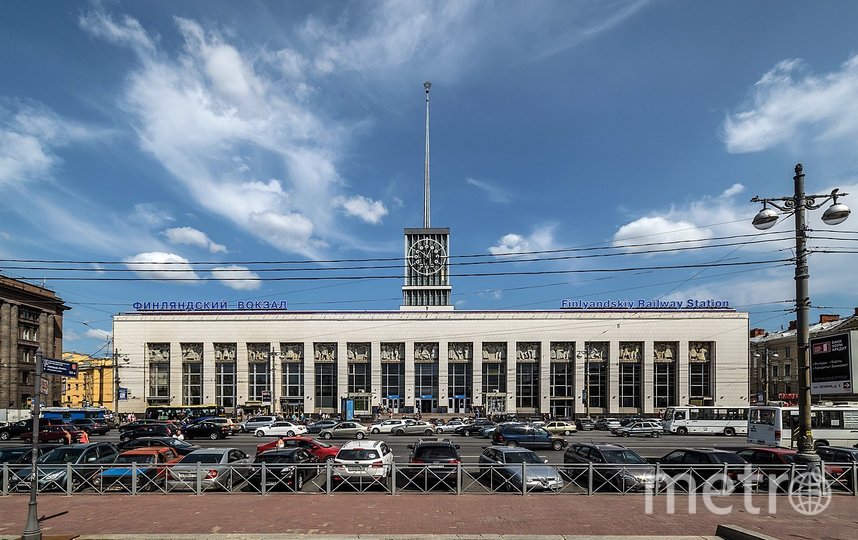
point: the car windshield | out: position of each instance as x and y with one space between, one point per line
61 455
435 452
727 457
262 458
138 458
522 457
201 458
357 454
539 432
622 456
9 455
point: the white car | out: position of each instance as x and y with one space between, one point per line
387 426
281 428
449 427
363 462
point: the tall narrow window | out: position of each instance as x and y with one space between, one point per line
225 384
326 385
159 371
527 386
192 383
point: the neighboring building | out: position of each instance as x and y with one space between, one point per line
31 318
778 351
429 357
93 386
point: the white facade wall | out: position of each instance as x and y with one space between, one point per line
726 330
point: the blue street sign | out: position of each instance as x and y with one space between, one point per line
393 396
55 366
123 394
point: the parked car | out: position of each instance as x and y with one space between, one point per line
703 467
436 461
607 424
62 434
285 469
91 426
415 427
53 469
323 451
143 422
179 446
22 454
502 466
148 430
615 467
152 463
560 427
387 426
15 429
838 463
207 430
527 436
317 427
585 424
217 470
450 427
474 427
255 422
219 420
639 429
360 462
281 427
345 430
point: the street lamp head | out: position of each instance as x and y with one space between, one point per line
836 214
765 219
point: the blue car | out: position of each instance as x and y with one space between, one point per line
527 436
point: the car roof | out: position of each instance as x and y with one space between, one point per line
84 445
147 451
281 452
297 438
601 446
362 444
212 450
510 449
708 450
773 450
841 448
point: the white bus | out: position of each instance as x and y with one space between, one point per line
699 419
833 425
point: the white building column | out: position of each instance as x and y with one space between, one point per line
580 378
208 372
175 374
477 375
443 398
612 399
310 405
544 377
511 369
375 373
242 375
648 378
682 393
409 374
342 375
276 376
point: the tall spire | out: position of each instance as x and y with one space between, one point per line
427 85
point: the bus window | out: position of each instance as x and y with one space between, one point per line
679 415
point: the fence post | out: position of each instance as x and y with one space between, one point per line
5 479
199 487
791 477
263 478
855 479
133 478
329 478
523 478
724 480
459 478
393 478
657 478
69 479
590 478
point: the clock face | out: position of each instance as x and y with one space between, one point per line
427 256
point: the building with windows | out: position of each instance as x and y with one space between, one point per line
93 386
431 358
31 319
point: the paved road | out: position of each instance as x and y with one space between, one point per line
471 447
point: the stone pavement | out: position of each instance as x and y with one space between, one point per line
381 515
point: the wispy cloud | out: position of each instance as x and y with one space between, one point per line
495 193
363 208
97 333
162 266
239 278
541 239
790 104
193 237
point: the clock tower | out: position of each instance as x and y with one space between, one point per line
427 265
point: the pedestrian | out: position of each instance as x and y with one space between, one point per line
179 435
83 438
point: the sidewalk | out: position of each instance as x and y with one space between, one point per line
367 514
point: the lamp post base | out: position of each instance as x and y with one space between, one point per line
31 529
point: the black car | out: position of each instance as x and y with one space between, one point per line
15 429
317 427
91 426
207 430
585 424
474 427
527 436
22 454
615 467
181 447
436 462
147 430
138 423
285 469
698 468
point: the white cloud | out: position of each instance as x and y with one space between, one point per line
735 189
239 278
495 193
157 265
541 239
97 333
193 237
126 32
664 229
363 208
788 104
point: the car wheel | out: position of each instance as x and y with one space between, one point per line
567 433
428 432
399 432
730 432
359 435
656 434
329 459
214 436
466 433
511 444
376 431
682 431
290 433
259 433
327 435
557 445
625 434
4 436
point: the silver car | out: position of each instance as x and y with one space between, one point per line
345 430
414 427
218 468
505 463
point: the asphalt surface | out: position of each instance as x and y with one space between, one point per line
471 447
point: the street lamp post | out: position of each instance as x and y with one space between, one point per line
799 203
32 530
586 380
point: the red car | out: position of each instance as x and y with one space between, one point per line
323 451
63 434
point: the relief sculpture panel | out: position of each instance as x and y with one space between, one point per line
158 352
699 351
664 351
494 352
527 351
292 352
225 352
460 352
425 352
192 352
392 352
562 351
358 353
257 352
631 351
325 352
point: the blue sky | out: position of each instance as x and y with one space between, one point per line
209 135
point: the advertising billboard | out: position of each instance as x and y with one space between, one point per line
833 364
